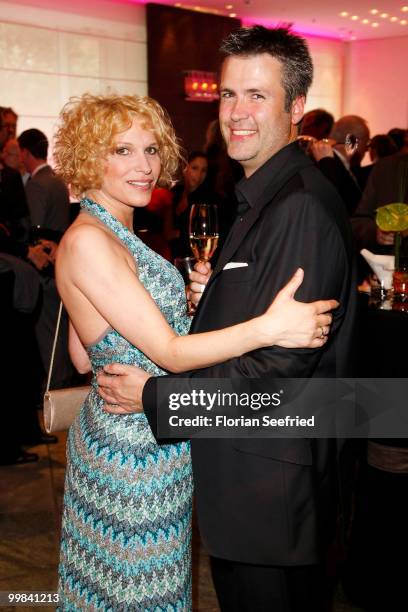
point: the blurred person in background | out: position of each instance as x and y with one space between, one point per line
9 121
49 206
400 138
192 189
381 146
47 194
14 215
11 156
317 123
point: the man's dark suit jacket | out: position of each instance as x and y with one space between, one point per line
14 214
343 180
383 187
48 202
265 501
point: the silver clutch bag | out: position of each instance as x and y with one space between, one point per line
62 406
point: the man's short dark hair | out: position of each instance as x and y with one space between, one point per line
34 141
7 110
288 48
318 123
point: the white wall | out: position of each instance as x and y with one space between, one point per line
48 55
327 88
376 82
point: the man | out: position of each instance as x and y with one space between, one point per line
47 194
9 121
48 203
317 123
260 502
335 160
388 183
14 217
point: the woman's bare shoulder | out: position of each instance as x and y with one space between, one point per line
86 234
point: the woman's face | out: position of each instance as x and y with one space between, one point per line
132 169
195 173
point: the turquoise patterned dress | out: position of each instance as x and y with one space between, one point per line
126 526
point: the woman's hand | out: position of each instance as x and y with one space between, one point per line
293 324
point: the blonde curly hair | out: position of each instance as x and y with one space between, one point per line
88 126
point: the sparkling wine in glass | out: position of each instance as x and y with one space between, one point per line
203 231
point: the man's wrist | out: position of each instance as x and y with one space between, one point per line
148 401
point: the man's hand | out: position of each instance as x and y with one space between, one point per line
321 148
50 247
385 238
122 385
38 256
199 278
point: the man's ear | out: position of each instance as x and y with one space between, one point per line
298 109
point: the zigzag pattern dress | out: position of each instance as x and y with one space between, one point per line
126 526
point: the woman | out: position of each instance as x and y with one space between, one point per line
127 508
192 190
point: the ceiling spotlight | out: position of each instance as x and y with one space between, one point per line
403 22
384 15
404 9
355 18
232 14
365 21
393 18
374 11
229 6
343 14
375 24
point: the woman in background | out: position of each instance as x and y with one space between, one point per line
191 190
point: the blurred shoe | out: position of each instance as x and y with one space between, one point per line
23 457
43 438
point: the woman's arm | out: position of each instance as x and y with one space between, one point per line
101 272
77 352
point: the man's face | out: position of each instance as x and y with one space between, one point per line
9 121
12 154
3 135
253 119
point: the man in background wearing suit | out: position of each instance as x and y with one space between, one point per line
263 504
335 161
48 204
47 194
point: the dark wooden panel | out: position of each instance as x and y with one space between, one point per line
179 40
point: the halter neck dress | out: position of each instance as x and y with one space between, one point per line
126 527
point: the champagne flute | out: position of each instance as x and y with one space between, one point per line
203 230
185 265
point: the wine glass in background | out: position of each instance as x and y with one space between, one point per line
350 142
203 230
